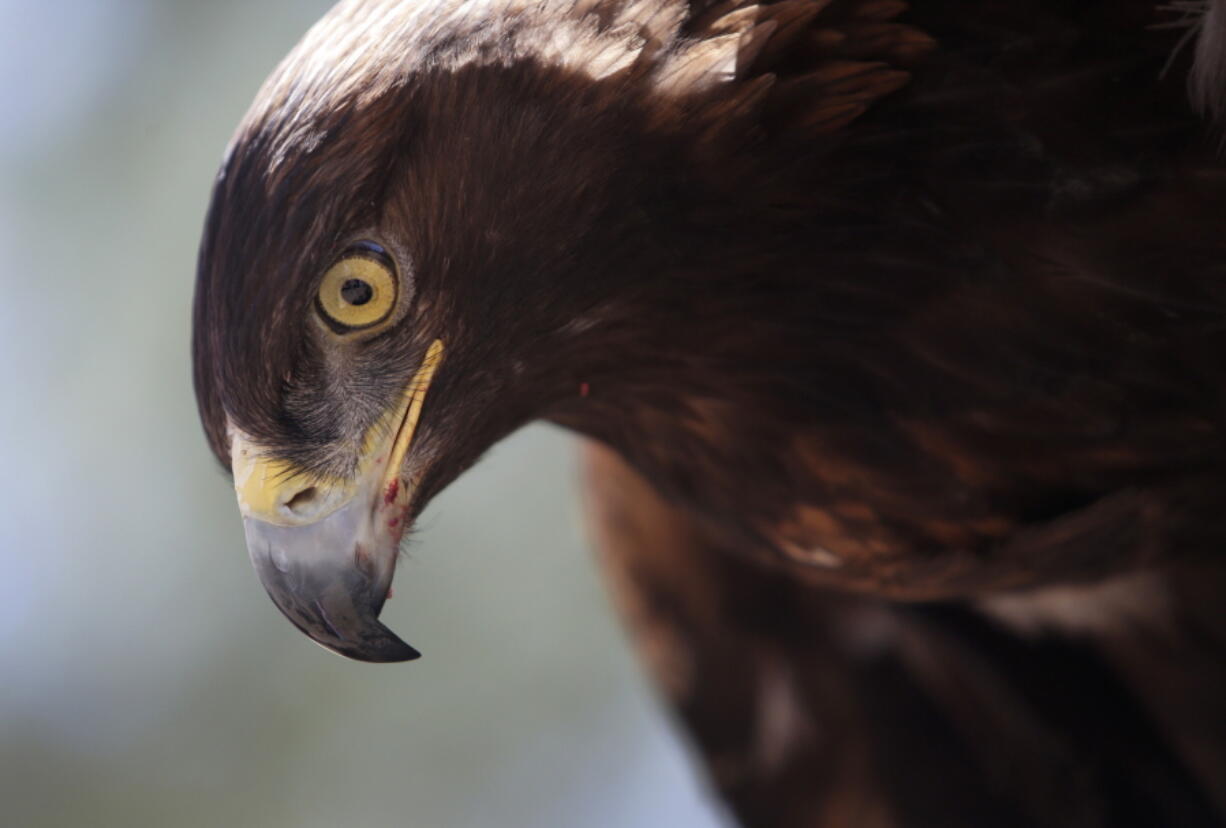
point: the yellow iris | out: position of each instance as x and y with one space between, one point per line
358 292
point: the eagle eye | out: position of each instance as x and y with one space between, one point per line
359 289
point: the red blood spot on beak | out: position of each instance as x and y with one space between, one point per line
393 489
391 524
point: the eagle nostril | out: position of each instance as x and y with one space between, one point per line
303 502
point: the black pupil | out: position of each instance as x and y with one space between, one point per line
357 292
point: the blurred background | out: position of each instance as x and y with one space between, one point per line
147 679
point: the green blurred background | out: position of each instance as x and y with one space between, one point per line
147 680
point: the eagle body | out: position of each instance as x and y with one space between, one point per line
898 331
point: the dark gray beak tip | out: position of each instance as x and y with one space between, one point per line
386 649
322 593
358 636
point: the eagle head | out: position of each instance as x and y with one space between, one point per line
411 250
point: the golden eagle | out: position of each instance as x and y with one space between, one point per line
898 331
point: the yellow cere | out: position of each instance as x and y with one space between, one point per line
266 486
358 292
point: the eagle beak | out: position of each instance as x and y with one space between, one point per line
329 584
325 549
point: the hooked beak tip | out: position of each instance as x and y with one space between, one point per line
335 603
378 645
